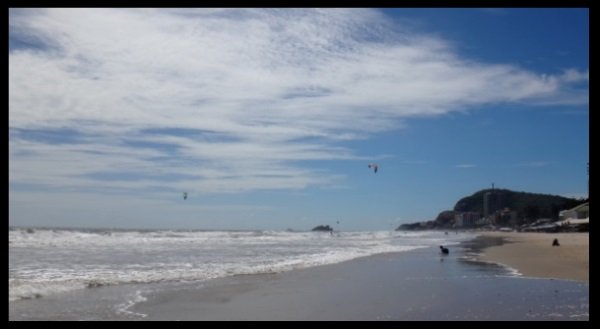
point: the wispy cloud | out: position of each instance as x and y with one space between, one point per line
414 162
572 75
235 99
465 166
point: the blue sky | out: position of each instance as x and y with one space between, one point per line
268 118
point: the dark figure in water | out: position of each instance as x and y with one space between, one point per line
445 251
555 243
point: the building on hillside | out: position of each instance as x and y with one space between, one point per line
491 203
507 217
466 219
578 212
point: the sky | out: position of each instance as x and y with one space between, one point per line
268 118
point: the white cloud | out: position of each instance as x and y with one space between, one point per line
274 87
574 75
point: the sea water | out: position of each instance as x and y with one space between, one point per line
48 263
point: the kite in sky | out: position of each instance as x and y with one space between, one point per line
374 166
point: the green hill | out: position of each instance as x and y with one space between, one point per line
505 206
529 206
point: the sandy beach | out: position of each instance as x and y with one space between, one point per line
532 254
419 284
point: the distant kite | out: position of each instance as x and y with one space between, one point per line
185 195
374 166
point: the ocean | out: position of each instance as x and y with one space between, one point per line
47 263
79 274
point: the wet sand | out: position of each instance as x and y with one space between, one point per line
416 285
532 254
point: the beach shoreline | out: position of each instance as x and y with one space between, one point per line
420 284
416 285
532 254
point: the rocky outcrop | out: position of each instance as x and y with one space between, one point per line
325 228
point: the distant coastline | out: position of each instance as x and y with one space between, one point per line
495 209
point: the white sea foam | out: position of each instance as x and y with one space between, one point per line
136 298
46 261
